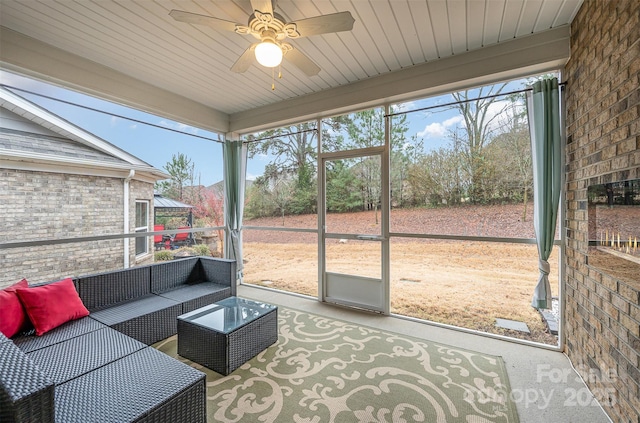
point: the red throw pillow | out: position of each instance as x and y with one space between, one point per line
12 315
49 306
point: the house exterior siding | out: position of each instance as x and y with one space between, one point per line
603 145
45 205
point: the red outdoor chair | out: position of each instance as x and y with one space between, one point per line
181 238
160 241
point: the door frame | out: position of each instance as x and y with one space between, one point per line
383 238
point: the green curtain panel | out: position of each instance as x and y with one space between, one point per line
543 105
235 164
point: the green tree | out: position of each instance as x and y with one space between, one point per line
343 188
366 129
291 148
305 191
181 170
293 152
403 154
257 200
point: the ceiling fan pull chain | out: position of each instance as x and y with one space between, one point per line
280 71
273 79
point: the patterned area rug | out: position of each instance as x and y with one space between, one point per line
323 370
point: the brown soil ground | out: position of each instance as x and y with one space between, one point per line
462 283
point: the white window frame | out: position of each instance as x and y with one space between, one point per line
142 228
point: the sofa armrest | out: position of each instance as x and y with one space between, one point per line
26 393
219 270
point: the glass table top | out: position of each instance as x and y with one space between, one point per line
227 315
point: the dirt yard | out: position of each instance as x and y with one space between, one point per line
461 283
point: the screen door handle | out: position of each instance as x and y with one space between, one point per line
369 237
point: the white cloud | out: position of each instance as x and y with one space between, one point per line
179 126
499 113
439 129
402 107
452 121
114 121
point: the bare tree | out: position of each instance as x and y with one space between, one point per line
479 122
515 155
282 194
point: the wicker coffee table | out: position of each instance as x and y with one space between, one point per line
224 335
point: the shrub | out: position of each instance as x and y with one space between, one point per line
201 250
194 250
163 255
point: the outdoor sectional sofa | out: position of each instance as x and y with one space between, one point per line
100 367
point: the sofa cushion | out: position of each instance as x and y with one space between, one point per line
13 317
132 309
89 351
30 342
49 306
190 292
198 295
148 319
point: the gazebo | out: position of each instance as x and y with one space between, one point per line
167 208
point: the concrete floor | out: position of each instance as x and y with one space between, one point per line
545 387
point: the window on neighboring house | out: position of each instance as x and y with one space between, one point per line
142 225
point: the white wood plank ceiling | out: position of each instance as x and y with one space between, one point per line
139 39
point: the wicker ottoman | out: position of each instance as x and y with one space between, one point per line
224 335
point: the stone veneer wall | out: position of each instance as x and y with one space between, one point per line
43 205
603 145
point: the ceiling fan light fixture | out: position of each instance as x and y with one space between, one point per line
268 54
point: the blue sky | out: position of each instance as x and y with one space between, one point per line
153 145
157 146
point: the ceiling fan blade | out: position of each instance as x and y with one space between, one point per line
302 62
194 18
245 60
335 22
264 6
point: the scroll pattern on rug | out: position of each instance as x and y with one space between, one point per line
323 370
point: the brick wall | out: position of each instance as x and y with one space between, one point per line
603 145
43 205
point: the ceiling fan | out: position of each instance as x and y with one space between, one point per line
272 30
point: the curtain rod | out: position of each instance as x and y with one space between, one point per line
453 103
108 113
279 135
